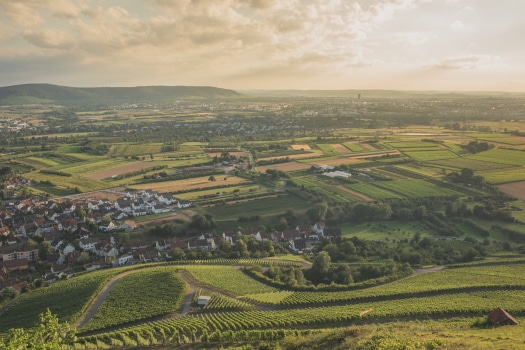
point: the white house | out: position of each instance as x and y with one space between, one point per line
203 300
123 260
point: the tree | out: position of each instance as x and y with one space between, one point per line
49 335
321 263
333 251
44 249
317 212
177 254
212 178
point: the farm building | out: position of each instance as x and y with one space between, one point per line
203 300
500 317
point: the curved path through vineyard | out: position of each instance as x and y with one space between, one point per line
190 281
99 299
192 284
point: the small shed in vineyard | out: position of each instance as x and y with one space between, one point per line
203 300
500 317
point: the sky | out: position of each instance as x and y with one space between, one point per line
452 45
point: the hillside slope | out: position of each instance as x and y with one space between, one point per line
48 93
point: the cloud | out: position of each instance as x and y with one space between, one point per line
457 25
465 62
50 39
411 39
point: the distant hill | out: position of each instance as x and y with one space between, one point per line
48 93
375 93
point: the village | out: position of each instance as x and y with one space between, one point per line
62 237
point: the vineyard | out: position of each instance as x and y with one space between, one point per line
131 298
241 308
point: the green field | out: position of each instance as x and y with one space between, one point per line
504 175
266 206
130 149
425 156
354 147
373 191
501 156
467 162
410 145
328 149
82 183
415 188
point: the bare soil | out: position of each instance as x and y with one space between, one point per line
341 148
515 189
300 147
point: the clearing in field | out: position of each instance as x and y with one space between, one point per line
192 184
515 189
128 168
300 147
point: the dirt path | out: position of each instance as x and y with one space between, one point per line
191 283
95 304
355 193
418 272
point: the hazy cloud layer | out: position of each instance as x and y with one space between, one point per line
309 44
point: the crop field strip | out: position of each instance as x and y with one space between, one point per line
328 149
89 166
502 156
408 145
354 147
194 183
129 149
82 183
415 188
373 191
264 206
466 162
425 156
324 189
504 175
